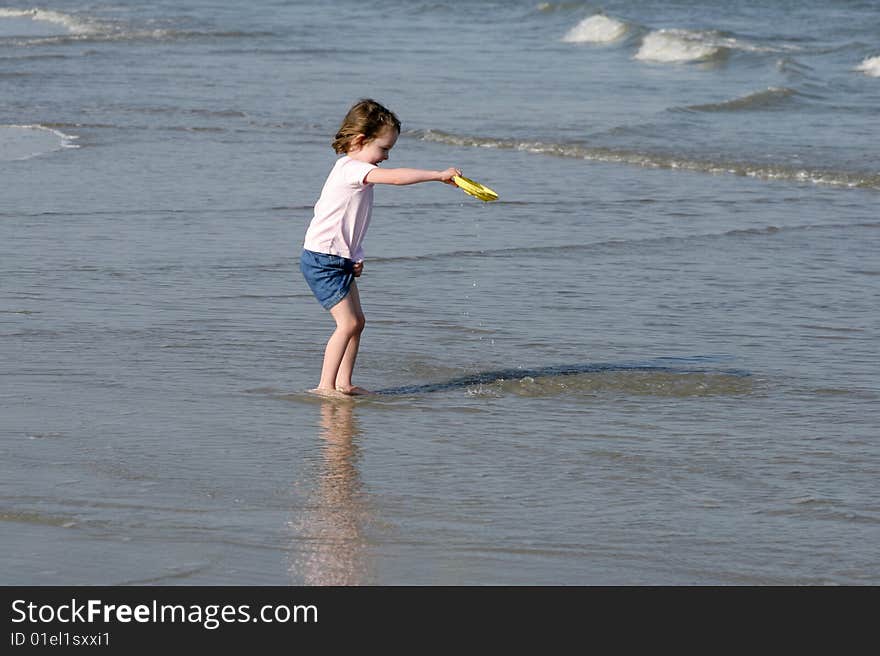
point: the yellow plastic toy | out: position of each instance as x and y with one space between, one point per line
475 189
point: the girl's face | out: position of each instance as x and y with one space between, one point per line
376 150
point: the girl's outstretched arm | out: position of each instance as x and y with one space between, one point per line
410 176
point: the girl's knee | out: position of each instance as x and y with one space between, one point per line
352 325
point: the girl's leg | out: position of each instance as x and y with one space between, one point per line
349 324
346 367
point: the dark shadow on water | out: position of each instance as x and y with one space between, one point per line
660 365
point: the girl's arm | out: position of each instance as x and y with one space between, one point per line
410 176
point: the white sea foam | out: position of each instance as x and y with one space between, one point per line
870 66
70 24
672 46
657 160
597 29
34 27
18 142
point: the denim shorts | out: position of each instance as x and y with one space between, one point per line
329 276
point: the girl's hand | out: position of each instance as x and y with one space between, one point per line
358 269
447 175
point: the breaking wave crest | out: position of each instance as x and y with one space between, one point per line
674 46
670 45
70 24
870 66
657 160
597 29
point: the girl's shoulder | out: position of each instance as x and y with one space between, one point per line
350 170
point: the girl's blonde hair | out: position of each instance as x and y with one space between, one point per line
366 117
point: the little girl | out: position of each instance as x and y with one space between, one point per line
333 255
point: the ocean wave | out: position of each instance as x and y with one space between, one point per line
133 127
79 29
71 24
597 29
658 160
681 46
20 142
119 34
64 126
769 98
870 66
30 57
677 46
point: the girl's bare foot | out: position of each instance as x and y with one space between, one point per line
332 393
353 390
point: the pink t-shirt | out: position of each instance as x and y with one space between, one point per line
342 213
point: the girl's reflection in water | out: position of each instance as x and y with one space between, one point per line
332 546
